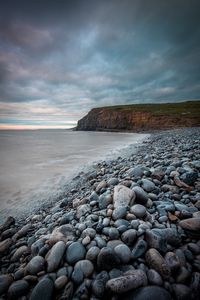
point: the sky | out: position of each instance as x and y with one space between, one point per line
59 59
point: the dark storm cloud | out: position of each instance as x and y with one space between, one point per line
74 55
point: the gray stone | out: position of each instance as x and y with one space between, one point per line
148 293
129 236
141 195
101 185
35 265
54 256
19 252
138 210
92 254
5 282
154 277
123 196
82 210
136 171
43 290
123 252
104 200
63 233
139 249
85 266
113 233
148 185
60 282
122 284
75 252
113 181
107 259
119 213
17 289
189 177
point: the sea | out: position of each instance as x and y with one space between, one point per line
36 165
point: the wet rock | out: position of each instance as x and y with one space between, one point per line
82 210
63 233
19 252
148 185
17 289
5 282
104 200
122 284
92 254
139 249
75 252
123 196
181 291
129 236
123 252
155 260
154 277
60 282
68 292
9 222
85 266
191 226
138 210
141 195
22 232
55 256
43 290
119 212
107 259
36 265
5 245
148 292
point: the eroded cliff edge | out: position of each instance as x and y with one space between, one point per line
142 117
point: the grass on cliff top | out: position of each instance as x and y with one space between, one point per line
189 108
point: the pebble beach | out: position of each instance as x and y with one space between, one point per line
127 229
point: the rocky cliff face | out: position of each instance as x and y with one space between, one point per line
101 119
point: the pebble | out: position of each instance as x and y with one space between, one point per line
139 249
181 291
92 254
119 212
148 292
141 195
129 236
155 260
19 252
148 185
5 282
85 266
138 210
5 245
55 256
63 233
35 265
122 284
191 226
75 252
154 277
43 290
123 196
123 252
18 289
107 259
60 282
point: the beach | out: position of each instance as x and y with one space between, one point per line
125 228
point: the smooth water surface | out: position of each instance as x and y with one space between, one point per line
36 164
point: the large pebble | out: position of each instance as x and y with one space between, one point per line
75 252
5 282
85 266
123 252
148 293
123 196
43 290
17 289
119 212
63 233
36 265
129 236
104 200
155 260
55 255
181 291
191 226
154 277
92 253
122 284
19 252
60 282
141 195
82 210
139 249
107 259
5 245
138 210
148 185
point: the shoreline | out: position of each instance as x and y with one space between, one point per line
91 216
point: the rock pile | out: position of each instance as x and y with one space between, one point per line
130 230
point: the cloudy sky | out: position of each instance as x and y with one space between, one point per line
59 59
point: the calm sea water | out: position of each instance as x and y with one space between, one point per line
35 165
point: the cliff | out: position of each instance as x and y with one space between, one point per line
142 117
